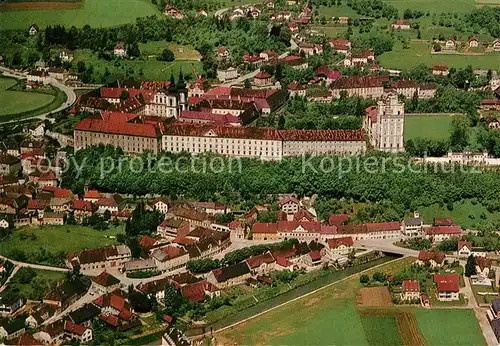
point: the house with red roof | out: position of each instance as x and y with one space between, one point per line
464 249
440 70
82 209
170 257
483 266
296 89
337 219
104 283
261 264
340 45
410 290
196 292
296 62
263 78
473 42
264 231
440 233
92 196
312 259
340 246
310 48
447 287
432 258
289 205
229 276
78 332
222 53
401 24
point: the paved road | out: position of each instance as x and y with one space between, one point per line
16 269
34 266
70 94
386 245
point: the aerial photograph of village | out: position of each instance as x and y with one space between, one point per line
250 172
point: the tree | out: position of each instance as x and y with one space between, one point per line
248 84
379 276
124 95
140 302
470 267
133 50
166 55
459 137
281 122
364 279
173 299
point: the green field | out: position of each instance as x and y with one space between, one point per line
381 330
434 6
151 69
181 52
449 327
58 238
419 53
18 101
465 213
427 126
96 13
30 291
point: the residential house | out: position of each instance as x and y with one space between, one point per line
310 48
120 50
10 303
57 73
237 230
229 276
92 196
78 332
11 329
412 227
85 315
440 233
160 204
296 62
108 203
339 246
172 228
41 314
51 334
263 78
495 308
227 74
196 292
340 45
82 209
66 293
211 208
170 257
296 89
440 70
483 266
261 264
289 205
193 217
447 287
104 283
66 55
312 259
401 24
171 11
360 58
114 256
496 45
464 249
9 165
140 265
473 42
410 290
33 29
51 218
268 55
450 44
155 288
431 258
222 53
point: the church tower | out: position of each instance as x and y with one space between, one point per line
388 136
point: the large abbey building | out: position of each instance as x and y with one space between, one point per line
384 124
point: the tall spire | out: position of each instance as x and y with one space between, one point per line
172 87
180 83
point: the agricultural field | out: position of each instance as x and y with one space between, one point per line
19 101
420 53
460 328
427 126
96 13
58 238
381 330
146 69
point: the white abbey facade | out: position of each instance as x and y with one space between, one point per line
384 124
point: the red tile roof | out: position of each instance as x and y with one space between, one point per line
257 261
347 82
433 230
462 243
282 261
315 255
336 242
208 116
443 221
447 282
411 286
264 228
110 319
383 226
74 328
440 68
121 124
93 194
295 86
263 133
196 292
146 241
262 75
289 226
322 135
438 257
401 22
82 205
372 113
483 262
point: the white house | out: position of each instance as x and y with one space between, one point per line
289 205
4 223
410 290
473 42
432 258
33 30
447 287
464 249
339 246
120 50
160 204
412 227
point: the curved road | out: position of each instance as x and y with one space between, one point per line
70 94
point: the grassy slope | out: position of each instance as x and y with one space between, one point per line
26 289
157 47
96 13
449 327
57 238
18 101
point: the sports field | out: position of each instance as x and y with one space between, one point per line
427 126
19 101
96 13
332 317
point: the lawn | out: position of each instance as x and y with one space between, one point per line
96 13
18 101
427 126
419 53
381 330
464 213
449 327
434 6
58 238
147 69
28 290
